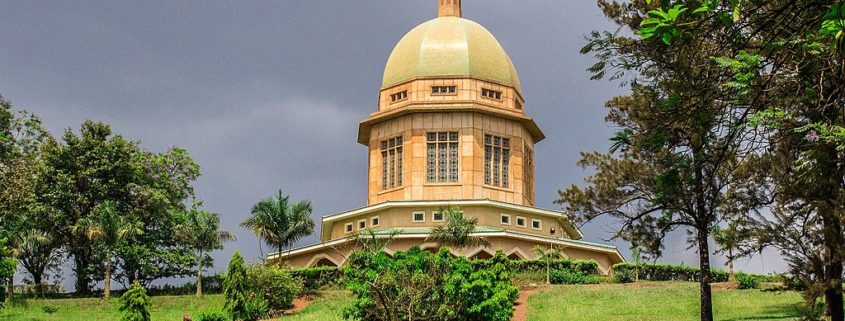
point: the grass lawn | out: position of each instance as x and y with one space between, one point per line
327 306
164 308
659 301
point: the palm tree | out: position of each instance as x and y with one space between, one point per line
201 231
33 248
728 239
108 228
457 232
548 255
280 223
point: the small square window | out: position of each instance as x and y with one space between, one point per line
537 224
362 224
437 216
419 217
505 219
348 228
374 221
521 222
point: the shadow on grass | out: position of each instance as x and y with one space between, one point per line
786 311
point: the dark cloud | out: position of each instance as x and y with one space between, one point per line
268 94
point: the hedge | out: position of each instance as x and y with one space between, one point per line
586 267
318 277
625 273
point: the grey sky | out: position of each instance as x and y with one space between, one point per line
268 94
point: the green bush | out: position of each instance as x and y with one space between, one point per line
429 285
584 266
135 304
315 278
625 273
747 281
665 272
573 277
213 316
278 286
49 309
256 307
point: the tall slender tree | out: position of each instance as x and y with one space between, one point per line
729 239
280 223
548 255
457 232
680 138
107 227
201 231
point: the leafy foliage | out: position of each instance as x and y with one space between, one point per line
7 267
318 277
418 284
201 231
572 277
746 281
457 232
213 316
278 286
280 223
135 304
236 288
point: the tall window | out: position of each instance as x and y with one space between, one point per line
497 153
442 157
391 163
528 174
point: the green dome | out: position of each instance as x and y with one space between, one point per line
446 47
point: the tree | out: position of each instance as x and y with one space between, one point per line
107 227
22 138
235 288
135 304
36 251
201 231
457 232
96 165
729 239
548 255
681 137
280 223
7 268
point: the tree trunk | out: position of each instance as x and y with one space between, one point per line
38 279
731 274
548 272
83 281
10 287
107 281
199 275
704 275
834 260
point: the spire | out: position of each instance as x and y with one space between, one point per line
449 8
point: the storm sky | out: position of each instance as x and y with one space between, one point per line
268 94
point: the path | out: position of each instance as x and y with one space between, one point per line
520 308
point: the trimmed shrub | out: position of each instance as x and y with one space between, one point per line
315 278
213 316
584 266
747 281
665 272
573 277
625 273
278 286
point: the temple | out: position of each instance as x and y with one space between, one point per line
451 130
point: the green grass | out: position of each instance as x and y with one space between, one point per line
163 308
327 306
657 301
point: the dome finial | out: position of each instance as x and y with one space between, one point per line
449 8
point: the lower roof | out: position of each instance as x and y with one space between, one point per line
486 231
571 229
